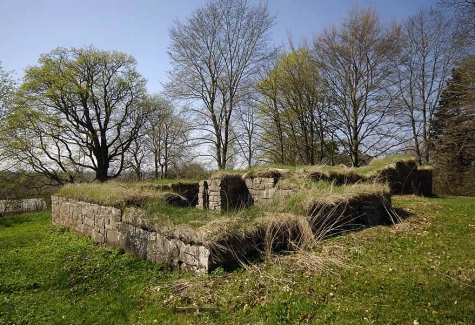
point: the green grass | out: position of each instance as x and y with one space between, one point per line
421 269
51 276
376 165
161 213
365 173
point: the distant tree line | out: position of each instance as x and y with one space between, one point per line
358 90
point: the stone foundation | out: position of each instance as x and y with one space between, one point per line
130 231
234 191
406 178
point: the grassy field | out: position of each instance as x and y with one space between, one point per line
421 271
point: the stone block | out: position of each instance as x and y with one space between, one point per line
97 237
270 193
88 220
114 238
99 221
110 222
136 241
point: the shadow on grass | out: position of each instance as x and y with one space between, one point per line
12 220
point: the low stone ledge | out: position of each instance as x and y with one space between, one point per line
131 231
20 206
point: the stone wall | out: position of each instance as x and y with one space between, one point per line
406 178
262 189
131 231
236 191
20 206
134 232
224 193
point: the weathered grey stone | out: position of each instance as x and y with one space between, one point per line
20 206
130 231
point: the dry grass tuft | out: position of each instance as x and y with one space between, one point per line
109 194
330 259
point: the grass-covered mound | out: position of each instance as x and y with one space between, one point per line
338 174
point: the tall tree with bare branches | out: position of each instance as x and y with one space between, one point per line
428 55
356 60
464 13
215 54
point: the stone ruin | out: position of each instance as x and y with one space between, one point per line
130 229
234 191
224 193
407 178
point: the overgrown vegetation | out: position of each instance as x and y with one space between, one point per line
150 196
419 271
308 197
21 185
371 169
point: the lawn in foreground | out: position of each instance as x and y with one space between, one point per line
419 271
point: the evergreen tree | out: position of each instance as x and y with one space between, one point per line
454 132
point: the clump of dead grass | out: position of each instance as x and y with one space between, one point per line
302 201
109 194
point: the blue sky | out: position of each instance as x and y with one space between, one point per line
29 28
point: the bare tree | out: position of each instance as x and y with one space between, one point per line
355 60
79 110
214 55
464 13
166 137
247 130
428 55
138 155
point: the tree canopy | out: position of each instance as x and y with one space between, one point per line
360 89
453 132
7 88
294 111
78 110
